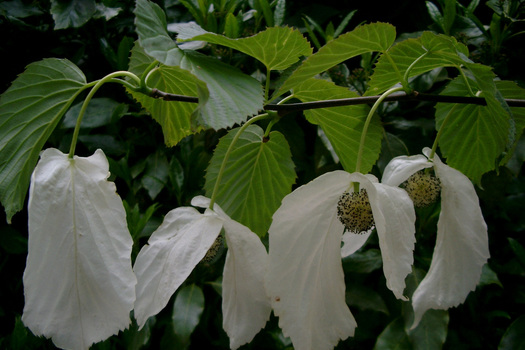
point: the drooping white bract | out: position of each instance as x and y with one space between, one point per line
78 283
462 242
305 276
180 243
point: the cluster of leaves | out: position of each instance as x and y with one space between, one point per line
484 142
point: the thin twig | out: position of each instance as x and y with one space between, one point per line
302 106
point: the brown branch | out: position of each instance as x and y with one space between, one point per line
302 106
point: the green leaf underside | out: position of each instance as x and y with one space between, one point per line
29 111
443 52
277 47
366 38
342 125
475 135
230 97
257 176
174 117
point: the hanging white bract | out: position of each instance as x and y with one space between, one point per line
462 242
78 283
305 276
180 243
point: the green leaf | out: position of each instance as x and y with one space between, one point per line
156 176
518 250
431 332
509 89
441 51
230 97
449 15
514 337
365 298
363 39
363 262
29 111
474 136
174 117
72 13
99 112
393 337
435 14
187 311
342 125
259 173
276 47
488 276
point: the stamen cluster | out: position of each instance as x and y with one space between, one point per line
354 212
423 188
214 250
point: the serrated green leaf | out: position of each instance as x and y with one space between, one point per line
29 111
174 117
442 52
474 136
187 311
276 47
363 39
393 337
73 13
342 125
230 96
258 174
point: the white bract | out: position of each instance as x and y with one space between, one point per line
78 283
305 276
180 243
462 242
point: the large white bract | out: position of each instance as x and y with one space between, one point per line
305 276
78 283
462 241
180 243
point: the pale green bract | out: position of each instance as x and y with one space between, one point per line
462 242
78 283
305 278
180 243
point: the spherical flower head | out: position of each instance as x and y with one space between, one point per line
354 212
423 188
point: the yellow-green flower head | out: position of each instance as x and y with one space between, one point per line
423 188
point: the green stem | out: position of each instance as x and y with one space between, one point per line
108 78
267 87
227 155
465 79
403 81
367 123
405 77
440 131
